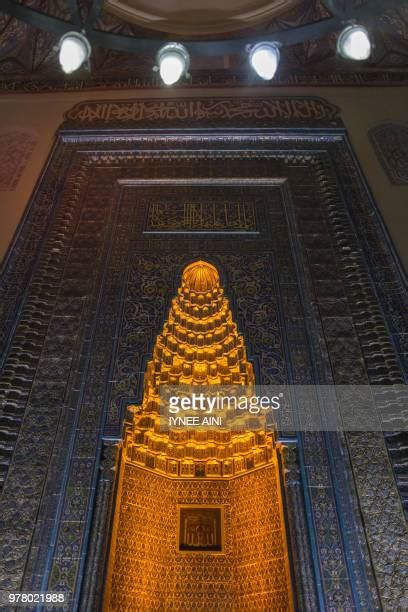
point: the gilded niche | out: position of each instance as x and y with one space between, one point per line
200 529
198 520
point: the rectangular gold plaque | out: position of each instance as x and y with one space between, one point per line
200 529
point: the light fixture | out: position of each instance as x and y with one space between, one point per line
74 50
354 43
264 59
173 62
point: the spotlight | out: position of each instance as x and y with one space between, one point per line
264 59
354 43
74 50
173 61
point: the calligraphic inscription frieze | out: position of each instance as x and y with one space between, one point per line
256 112
188 207
201 216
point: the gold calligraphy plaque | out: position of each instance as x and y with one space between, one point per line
200 529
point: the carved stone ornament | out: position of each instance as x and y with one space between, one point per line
390 141
314 287
232 112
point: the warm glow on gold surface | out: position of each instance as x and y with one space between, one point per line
231 476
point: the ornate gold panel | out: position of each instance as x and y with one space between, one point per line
230 522
200 529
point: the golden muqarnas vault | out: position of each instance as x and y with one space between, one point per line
198 522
